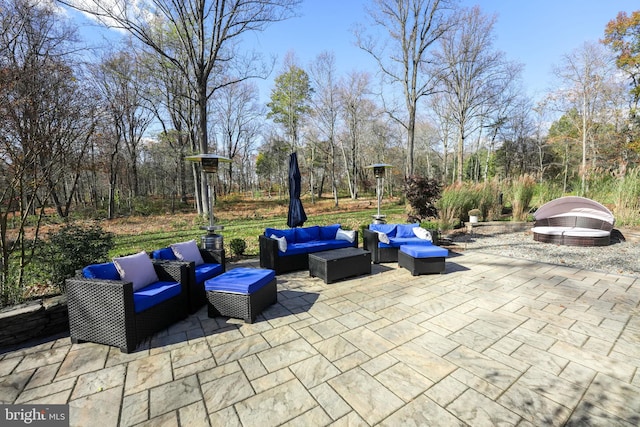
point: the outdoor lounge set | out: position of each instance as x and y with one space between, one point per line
575 221
330 253
120 303
123 302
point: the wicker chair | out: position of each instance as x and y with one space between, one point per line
214 265
102 311
370 243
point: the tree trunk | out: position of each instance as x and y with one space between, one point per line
460 153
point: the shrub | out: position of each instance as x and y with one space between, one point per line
362 228
422 194
490 200
434 229
627 198
238 246
72 248
523 189
456 201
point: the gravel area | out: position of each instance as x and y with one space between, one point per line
621 257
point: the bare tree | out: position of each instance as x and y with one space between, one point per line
326 109
356 109
237 122
442 114
208 36
43 130
412 26
169 96
506 108
541 125
585 76
118 81
472 74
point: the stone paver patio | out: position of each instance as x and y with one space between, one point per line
493 341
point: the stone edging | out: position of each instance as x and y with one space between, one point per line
32 320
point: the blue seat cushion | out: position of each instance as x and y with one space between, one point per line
421 251
207 271
165 254
242 280
104 271
155 293
396 242
289 235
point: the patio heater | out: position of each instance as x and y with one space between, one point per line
209 163
378 172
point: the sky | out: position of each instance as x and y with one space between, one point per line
536 33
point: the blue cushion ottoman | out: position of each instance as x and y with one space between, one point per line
422 259
241 293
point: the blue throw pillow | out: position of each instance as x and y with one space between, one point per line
307 234
328 232
289 234
104 271
406 230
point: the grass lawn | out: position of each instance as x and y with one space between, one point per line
242 219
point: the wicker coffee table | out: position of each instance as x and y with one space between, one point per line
338 264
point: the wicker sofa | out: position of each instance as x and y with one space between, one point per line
300 242
214 265
398 235
106 310
573 221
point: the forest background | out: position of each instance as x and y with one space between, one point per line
443 106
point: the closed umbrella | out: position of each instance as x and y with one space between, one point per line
296 216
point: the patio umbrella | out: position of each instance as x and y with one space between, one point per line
296 216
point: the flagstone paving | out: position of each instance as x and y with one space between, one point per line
493 341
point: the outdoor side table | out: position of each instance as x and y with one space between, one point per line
338 264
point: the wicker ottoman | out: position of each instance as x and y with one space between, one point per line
241 293
422 259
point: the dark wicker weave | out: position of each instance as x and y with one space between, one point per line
338 264
560 239
271 259
195 291
378 255
242 306
417 266
573 221
101 311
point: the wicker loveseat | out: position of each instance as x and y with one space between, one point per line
397 234
300 242
574 221
213 265
107 310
